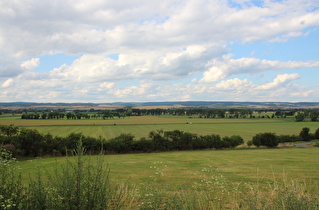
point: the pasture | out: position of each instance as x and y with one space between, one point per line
140 126
225 177
217 179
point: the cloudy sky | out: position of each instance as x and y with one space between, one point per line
168 50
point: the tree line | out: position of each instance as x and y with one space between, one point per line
29 142
311 114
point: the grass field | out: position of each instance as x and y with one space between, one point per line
141 126
225 176
186 168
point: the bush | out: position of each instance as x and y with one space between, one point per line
213 141
11 189
122 144
29 142
143 145
235 141
288 138
304 134
265 139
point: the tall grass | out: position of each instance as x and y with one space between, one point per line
217 193
76 184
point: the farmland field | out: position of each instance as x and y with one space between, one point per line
225 175
184 168
141 126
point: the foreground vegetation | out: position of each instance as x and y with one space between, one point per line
233 179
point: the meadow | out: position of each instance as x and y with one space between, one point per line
209 179
216 179
140 126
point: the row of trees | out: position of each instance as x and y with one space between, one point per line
272 140
29 142
312 114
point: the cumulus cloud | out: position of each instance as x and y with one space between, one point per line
226 67
35 27
31 64
107 85
168 43
7 83
280 80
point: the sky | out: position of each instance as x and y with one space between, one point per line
104 51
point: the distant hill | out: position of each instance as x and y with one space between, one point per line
208 104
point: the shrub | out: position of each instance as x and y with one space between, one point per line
213 141
29 142
143 145
288 138
236 140
11 189
265 139
304 134
122 144
159 143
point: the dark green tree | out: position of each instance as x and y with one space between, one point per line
304 134
314 115
265 139
9 130
300 117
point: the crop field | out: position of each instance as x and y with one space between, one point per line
141 126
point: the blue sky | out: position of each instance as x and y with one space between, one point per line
170 50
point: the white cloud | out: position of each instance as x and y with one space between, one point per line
7 83
107 85
31 64
161 46
235 84
226 67
35 27
280 80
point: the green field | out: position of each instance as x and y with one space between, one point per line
223 176
185 168
227 176
141 126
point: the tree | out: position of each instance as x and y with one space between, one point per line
9 130
317 133
314 115
44 116
159 143
304 134
122 143
265 139
300 117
